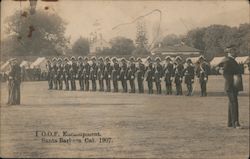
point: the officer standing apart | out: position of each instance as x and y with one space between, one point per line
189 76
202 74
14 82
168 74
231 72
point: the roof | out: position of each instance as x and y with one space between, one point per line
38 62
216 61
5 66
25 64
176 48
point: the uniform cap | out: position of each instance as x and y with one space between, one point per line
80 58
100 58
54 59
107 58
138 59
93 58
86 58
201 57
66 59
157 59
178 57
132 58
114 58
188 60
123 59
148 58
168 58
59 59
73 58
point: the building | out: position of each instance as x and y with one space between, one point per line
176 50
98 45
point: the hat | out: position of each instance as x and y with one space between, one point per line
139 59
178 58
157 59
148 58
80 58
168 58
114 59
100 58
201 57
66 59
86 58
107 58
73 58
123 59
93 58
59 59
132 58
54 59
188 60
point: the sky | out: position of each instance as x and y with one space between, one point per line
177 17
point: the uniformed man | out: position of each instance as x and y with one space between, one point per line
86 73
73 73
93 73
14 82
49 74
115 76
107 73
140 75
150 75
189 76
231 72
123 75
178 75
168 74
202 72
131 74
80 73
54 72
100 73
158 74
59 73
66 73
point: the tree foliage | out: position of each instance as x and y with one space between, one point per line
39 34
81 46
122 46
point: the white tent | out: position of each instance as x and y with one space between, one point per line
5 67
39 63
25 64
216 61
242 60
194 59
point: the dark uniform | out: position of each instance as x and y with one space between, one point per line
49 74
107 74
86 73
189 76
100 74
123 75
60 74
14 82
140 75
54 73
115 76
131 74
202 73
150 75
66 73
178 74
231 71
168 74
158 74
93 73
80 73
73 73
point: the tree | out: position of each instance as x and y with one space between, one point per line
195 37
81 46
244 38
122 46
171 40
39 34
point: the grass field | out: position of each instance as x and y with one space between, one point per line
133 125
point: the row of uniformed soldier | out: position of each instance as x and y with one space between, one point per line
135 71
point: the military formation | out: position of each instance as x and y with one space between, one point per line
108 74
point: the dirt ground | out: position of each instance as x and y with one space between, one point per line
123 125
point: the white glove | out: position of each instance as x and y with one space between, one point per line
205 78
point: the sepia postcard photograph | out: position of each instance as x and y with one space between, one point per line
125 79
